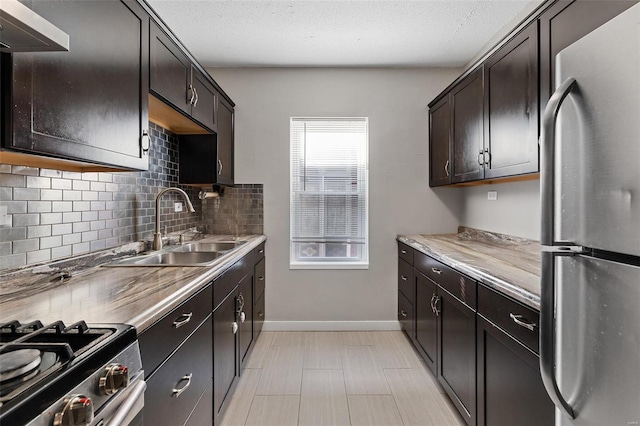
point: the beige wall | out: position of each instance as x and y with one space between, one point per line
515 212
395 100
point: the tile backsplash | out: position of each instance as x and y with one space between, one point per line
239 211
52 214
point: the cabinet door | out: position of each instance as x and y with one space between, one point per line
90 103
225 143
510 389
457 353
189 369
561 25
406 315
224 350
206 101
439 143
468 128
511 106
170 71
245 307
426 319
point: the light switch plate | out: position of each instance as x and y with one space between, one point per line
492 195
177 207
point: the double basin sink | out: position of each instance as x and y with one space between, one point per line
191 254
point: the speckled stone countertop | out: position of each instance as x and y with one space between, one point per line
133 295
508 264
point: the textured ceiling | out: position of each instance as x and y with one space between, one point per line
398 33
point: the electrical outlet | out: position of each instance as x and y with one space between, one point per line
177 207
492 195
5 219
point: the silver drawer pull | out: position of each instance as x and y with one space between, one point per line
177 392
242 317
182 320
260 278
261 314
437 271
518 319
234 327
403 277
261 252
403 251
403 313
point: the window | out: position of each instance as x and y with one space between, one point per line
329 180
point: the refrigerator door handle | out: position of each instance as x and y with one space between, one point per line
547 155
547 332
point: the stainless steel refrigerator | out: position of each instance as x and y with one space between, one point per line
590 197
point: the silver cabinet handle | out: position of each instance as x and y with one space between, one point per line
547 238
433 308
260 278
242 317
518 319
176 392
240 300
403 313
195 101
403 251
261 314
182 320
481 158
484 160
446 167
191 94
234 327
220 166
437 271
403 278
261 252
145 142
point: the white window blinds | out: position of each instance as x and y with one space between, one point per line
329 207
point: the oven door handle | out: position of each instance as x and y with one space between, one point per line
125 408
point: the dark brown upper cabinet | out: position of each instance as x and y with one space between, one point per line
207 159
178 83
440 143
562 24
468 128
87 106
511 107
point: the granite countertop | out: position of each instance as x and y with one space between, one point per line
508 264
133 295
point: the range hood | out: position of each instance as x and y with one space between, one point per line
23 30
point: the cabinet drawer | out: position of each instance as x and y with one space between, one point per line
159 340
225 283
195 358
259 280
406 315
405 253
258 253
455 283
501 311
406 282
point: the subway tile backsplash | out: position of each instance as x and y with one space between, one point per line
52 214
238 212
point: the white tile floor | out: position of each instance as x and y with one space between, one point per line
335 379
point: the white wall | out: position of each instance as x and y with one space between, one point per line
395 100
515 212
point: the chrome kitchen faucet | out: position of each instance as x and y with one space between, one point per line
157 237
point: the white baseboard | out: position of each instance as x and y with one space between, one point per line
331 326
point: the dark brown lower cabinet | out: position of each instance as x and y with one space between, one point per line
174 389
202 414
245 319
457 353
406 315
224 349
510 389
426 320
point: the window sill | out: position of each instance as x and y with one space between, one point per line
329 265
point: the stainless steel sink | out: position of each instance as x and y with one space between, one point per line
216 246
172 258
